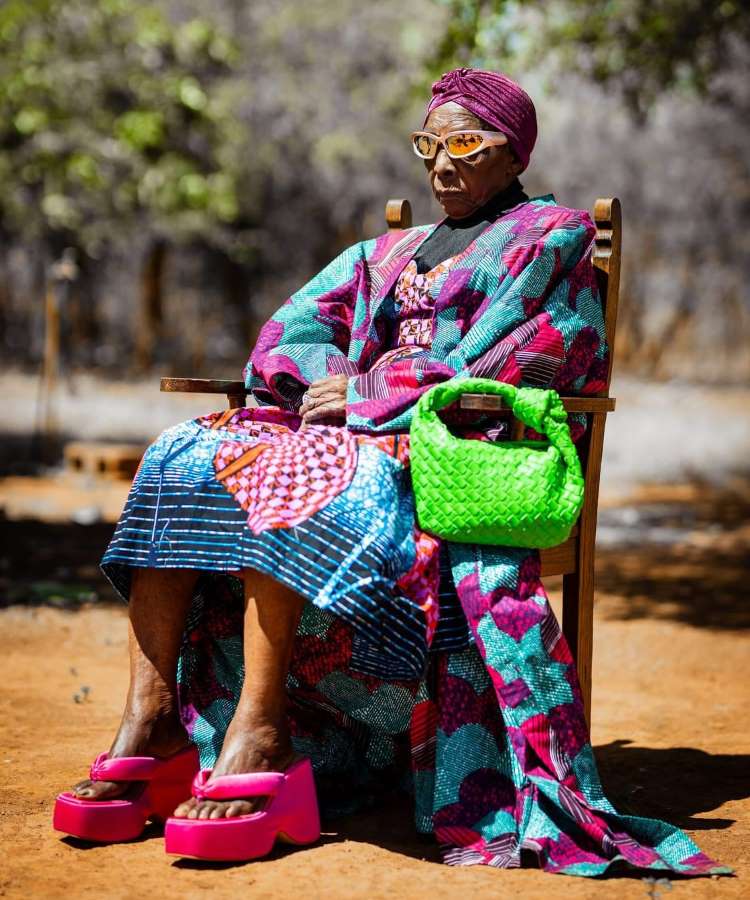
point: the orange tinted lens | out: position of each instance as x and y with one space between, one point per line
462 144
424 145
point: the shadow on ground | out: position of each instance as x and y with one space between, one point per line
389 825
683 559
675 783
55 564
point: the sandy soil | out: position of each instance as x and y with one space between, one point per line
671 705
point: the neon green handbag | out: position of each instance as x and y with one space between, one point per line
511 493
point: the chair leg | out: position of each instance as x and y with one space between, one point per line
237 400
578 627
578 586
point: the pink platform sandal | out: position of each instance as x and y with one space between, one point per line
291 815
166 784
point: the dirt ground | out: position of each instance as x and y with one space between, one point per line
671 703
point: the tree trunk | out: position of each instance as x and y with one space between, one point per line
151 313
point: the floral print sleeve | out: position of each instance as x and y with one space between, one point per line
309 336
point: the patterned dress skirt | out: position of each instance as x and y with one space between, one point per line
439 670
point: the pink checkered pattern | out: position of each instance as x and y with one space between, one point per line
286 481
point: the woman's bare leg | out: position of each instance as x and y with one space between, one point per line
159 603
257 739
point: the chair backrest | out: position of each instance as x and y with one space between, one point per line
398 213
607 252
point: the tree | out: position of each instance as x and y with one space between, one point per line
113 122
640 48
125 122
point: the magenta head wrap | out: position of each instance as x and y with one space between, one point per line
495 98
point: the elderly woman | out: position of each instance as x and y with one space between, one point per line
288 616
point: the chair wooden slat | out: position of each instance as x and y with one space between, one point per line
560 560
607 257
398 214
200 385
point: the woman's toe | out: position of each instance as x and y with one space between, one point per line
201 811
206 809
98 790
82 789
183 809
235 808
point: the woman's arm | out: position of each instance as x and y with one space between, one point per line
542 327
308 337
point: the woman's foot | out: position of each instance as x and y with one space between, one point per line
147 729
250 745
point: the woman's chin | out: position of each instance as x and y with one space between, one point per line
456 207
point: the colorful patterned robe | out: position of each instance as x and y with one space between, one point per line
440 669
521 306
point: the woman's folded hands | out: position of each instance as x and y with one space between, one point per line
325 400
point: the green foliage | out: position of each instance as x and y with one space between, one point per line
641 48
649 46
112 117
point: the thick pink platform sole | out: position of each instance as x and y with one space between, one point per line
166 784
291 815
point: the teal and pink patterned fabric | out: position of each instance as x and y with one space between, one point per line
435 667
520 304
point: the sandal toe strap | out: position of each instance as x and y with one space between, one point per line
236 787
125 768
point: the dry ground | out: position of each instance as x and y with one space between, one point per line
670 723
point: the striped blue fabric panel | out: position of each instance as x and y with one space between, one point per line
179 516
453 630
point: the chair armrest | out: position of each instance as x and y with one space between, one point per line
492 403
201 386
235 391
483 402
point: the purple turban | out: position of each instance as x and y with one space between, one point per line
496 99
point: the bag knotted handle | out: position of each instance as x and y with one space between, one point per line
539 408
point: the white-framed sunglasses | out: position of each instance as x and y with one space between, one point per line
458 144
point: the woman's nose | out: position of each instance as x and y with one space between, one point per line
444 166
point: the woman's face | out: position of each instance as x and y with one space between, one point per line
461 186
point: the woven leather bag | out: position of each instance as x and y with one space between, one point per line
510 493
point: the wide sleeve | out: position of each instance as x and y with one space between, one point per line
308 337
542 326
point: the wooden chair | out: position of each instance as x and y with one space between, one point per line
574 559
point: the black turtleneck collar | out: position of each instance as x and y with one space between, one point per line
453 236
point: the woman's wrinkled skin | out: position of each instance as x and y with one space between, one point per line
325 399
461 187
258 738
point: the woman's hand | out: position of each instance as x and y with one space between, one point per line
325 399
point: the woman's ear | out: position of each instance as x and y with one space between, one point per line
515 167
